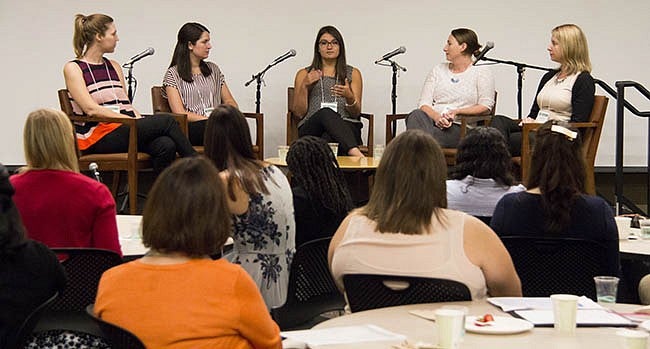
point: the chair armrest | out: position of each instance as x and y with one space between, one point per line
87 118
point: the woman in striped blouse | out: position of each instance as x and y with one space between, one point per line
193 86
96 88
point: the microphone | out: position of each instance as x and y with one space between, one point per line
148 52
391 54
285 56
488 46
94 169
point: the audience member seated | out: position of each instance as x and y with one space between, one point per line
176 296
259 197
482 173
328 94
405 228
565 94
59 206
555 205
192 85
456 87
29 272
96 87
321 198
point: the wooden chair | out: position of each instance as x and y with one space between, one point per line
293 120
161 105
589 132
132 161
466 122
367 291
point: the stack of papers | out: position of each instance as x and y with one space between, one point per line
344 335
539 311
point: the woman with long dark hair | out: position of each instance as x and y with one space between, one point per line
192 85
259 197
321 198
328 94
555 204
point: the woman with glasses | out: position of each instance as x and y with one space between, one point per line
328 95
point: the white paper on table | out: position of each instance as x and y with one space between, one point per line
509 304
344 335
585 317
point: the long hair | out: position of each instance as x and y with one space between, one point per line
558 170
186 210
483 153
228 145
341 63
409 185
574 47
189 33
468 37
49 141
85 30
313 165
12 232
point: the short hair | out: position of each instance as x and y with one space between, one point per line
558 170
313 165
468 37
85 29
186 210
189 33
409 185
483 153
228 145
49 141
341 62
574 47
12 232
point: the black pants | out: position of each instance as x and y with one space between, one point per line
196 130
511 131
159 136
329 125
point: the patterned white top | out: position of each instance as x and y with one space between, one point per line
444 89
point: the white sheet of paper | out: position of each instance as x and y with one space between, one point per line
344 335
508 304
583 316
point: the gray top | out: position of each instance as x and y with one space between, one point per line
320 92
477 196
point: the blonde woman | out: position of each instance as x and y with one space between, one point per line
59 206
564 94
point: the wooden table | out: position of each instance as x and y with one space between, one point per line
345 162
398 320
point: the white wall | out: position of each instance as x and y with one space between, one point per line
247 35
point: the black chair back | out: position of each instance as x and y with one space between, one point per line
365 291
26 328
118 337
311 290
548 266
84 267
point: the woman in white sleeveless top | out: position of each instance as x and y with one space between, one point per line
405 229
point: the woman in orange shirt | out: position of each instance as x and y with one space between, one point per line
176 296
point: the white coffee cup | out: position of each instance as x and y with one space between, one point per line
282 152
623 226
450 324
334 147
633 339
565 307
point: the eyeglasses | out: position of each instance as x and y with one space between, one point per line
324 43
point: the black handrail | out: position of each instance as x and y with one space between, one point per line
622 103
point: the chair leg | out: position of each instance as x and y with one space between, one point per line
116 183
133 191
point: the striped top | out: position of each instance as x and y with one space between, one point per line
105 88
203 92
320 92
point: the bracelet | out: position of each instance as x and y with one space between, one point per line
353 103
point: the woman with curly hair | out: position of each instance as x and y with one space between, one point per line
482 173
321 198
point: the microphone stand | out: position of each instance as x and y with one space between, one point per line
131 82
521 68
259 79
393 95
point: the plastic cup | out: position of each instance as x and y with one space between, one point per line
644 224
606 287
565 307
335 148
465 311
450 324
624 226
631 339
282 152
378 151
